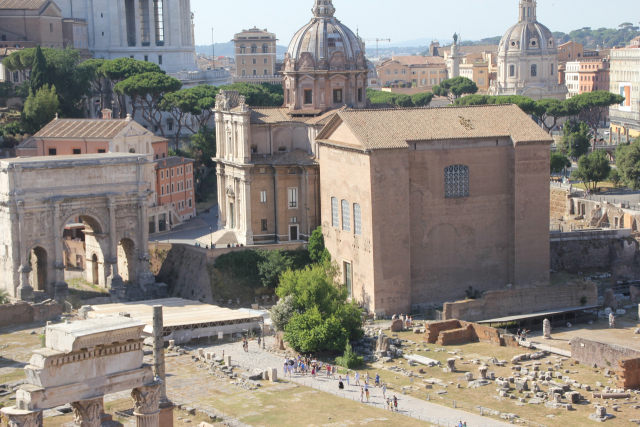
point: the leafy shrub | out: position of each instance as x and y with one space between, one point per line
317 251
282 312
349 359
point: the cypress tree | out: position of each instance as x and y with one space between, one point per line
39 72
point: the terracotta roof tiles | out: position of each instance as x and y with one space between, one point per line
22 4
387 129
267 115
296 157
82 128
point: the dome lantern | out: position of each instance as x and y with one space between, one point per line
323 9
528 10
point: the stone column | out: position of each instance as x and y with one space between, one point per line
305 189
146 405
144 232
20 418
25 290
152 23
114 281
137 16
88 413
247 214
222 204
165 405
61 289
275 203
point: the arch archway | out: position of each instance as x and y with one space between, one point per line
126 259
39 266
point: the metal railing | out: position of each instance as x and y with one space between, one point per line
626 204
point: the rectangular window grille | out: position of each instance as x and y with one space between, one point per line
53 151
308 96
293 198
264 224
456 181
512 70
263 197
334 212
534 70
145 30
346 216
357 219
337 96
348 278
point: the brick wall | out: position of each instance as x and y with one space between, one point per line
558 203
22 313
629 373
451 332
434 329
602 354
524 300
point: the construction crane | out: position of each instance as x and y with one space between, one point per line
377 44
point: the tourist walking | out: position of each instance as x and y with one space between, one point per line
366 390
377 380
328 371
384 390
347 378
334 369
357 378
367 378
361 395
395 403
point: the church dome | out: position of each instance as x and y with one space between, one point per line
528 35
324 41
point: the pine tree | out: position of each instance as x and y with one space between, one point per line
39 72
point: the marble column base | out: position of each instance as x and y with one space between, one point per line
20 418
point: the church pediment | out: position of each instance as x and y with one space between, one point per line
134 129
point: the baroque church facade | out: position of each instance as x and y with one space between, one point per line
267 166
528 59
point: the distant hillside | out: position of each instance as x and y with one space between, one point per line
226 49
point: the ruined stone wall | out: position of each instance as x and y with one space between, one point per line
189 271
591 249
602 354
511 302
452 332
558 203
22 313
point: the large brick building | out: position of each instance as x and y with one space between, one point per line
418 205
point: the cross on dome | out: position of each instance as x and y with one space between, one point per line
323 9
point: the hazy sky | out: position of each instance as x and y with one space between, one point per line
402 20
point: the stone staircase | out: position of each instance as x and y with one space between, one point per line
220 238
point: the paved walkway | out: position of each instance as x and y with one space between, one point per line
190 230
407 405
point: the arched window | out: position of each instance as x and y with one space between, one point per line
334 212
243 49
254 48
265 48
357 219
456 181
512 70
534 70
346 216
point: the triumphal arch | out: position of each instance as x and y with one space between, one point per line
108 194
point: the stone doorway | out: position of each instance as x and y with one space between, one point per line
126 260
95 270
39 265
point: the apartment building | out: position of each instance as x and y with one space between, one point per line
255 56
625 80
417 71
174 185
587 75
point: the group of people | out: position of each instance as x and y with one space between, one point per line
245 344
307 365
521 335
408 320
213 245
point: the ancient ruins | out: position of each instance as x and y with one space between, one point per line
108 193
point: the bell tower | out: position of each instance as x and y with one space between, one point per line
323 9
528 10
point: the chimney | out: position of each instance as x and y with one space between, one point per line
128 118
106 114
182 159
164 163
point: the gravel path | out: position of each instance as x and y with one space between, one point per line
407 405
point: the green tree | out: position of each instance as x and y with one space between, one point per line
275 263
191 108
324 319
526 104
39 109
454 88
264 95
4 297
575 140
614 177
550 108
593 107
558 162
282 312
120 69
91 69
203 146
40 71
349 358
593 168
146 91
628 164
6 89
317 251
422 99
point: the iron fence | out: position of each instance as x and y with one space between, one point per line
626 204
